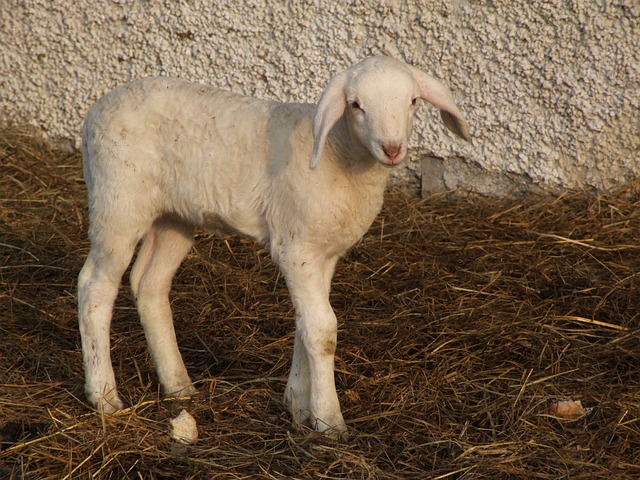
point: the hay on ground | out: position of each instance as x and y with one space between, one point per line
461 322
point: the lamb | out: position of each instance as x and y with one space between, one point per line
162 157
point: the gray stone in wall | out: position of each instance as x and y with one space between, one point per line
456 174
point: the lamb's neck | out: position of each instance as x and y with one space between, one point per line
350 155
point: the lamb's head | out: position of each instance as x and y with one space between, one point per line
378 98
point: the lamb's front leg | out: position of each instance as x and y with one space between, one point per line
311 392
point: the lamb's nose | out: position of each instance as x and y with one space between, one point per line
392 150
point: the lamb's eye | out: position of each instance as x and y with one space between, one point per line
414 102
355 105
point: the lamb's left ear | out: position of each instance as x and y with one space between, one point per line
436 93
328 111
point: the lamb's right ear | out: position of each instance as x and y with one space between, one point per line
328 111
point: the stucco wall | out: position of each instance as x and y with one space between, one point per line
550 88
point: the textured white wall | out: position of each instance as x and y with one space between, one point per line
550 88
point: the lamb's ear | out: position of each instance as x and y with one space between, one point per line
436 93
328 111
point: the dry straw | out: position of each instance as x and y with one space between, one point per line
462 320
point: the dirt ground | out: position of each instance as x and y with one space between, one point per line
463 323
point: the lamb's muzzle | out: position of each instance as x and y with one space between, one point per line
392 151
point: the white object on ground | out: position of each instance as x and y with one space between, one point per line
183 428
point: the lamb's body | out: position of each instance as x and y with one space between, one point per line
163 157
248 184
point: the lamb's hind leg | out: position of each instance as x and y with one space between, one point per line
162 251
297 394
98 285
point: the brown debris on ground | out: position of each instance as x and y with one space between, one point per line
462 321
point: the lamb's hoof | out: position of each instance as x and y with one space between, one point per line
181 392
298 407
106 404
337 432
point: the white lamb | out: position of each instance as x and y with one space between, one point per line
163 157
